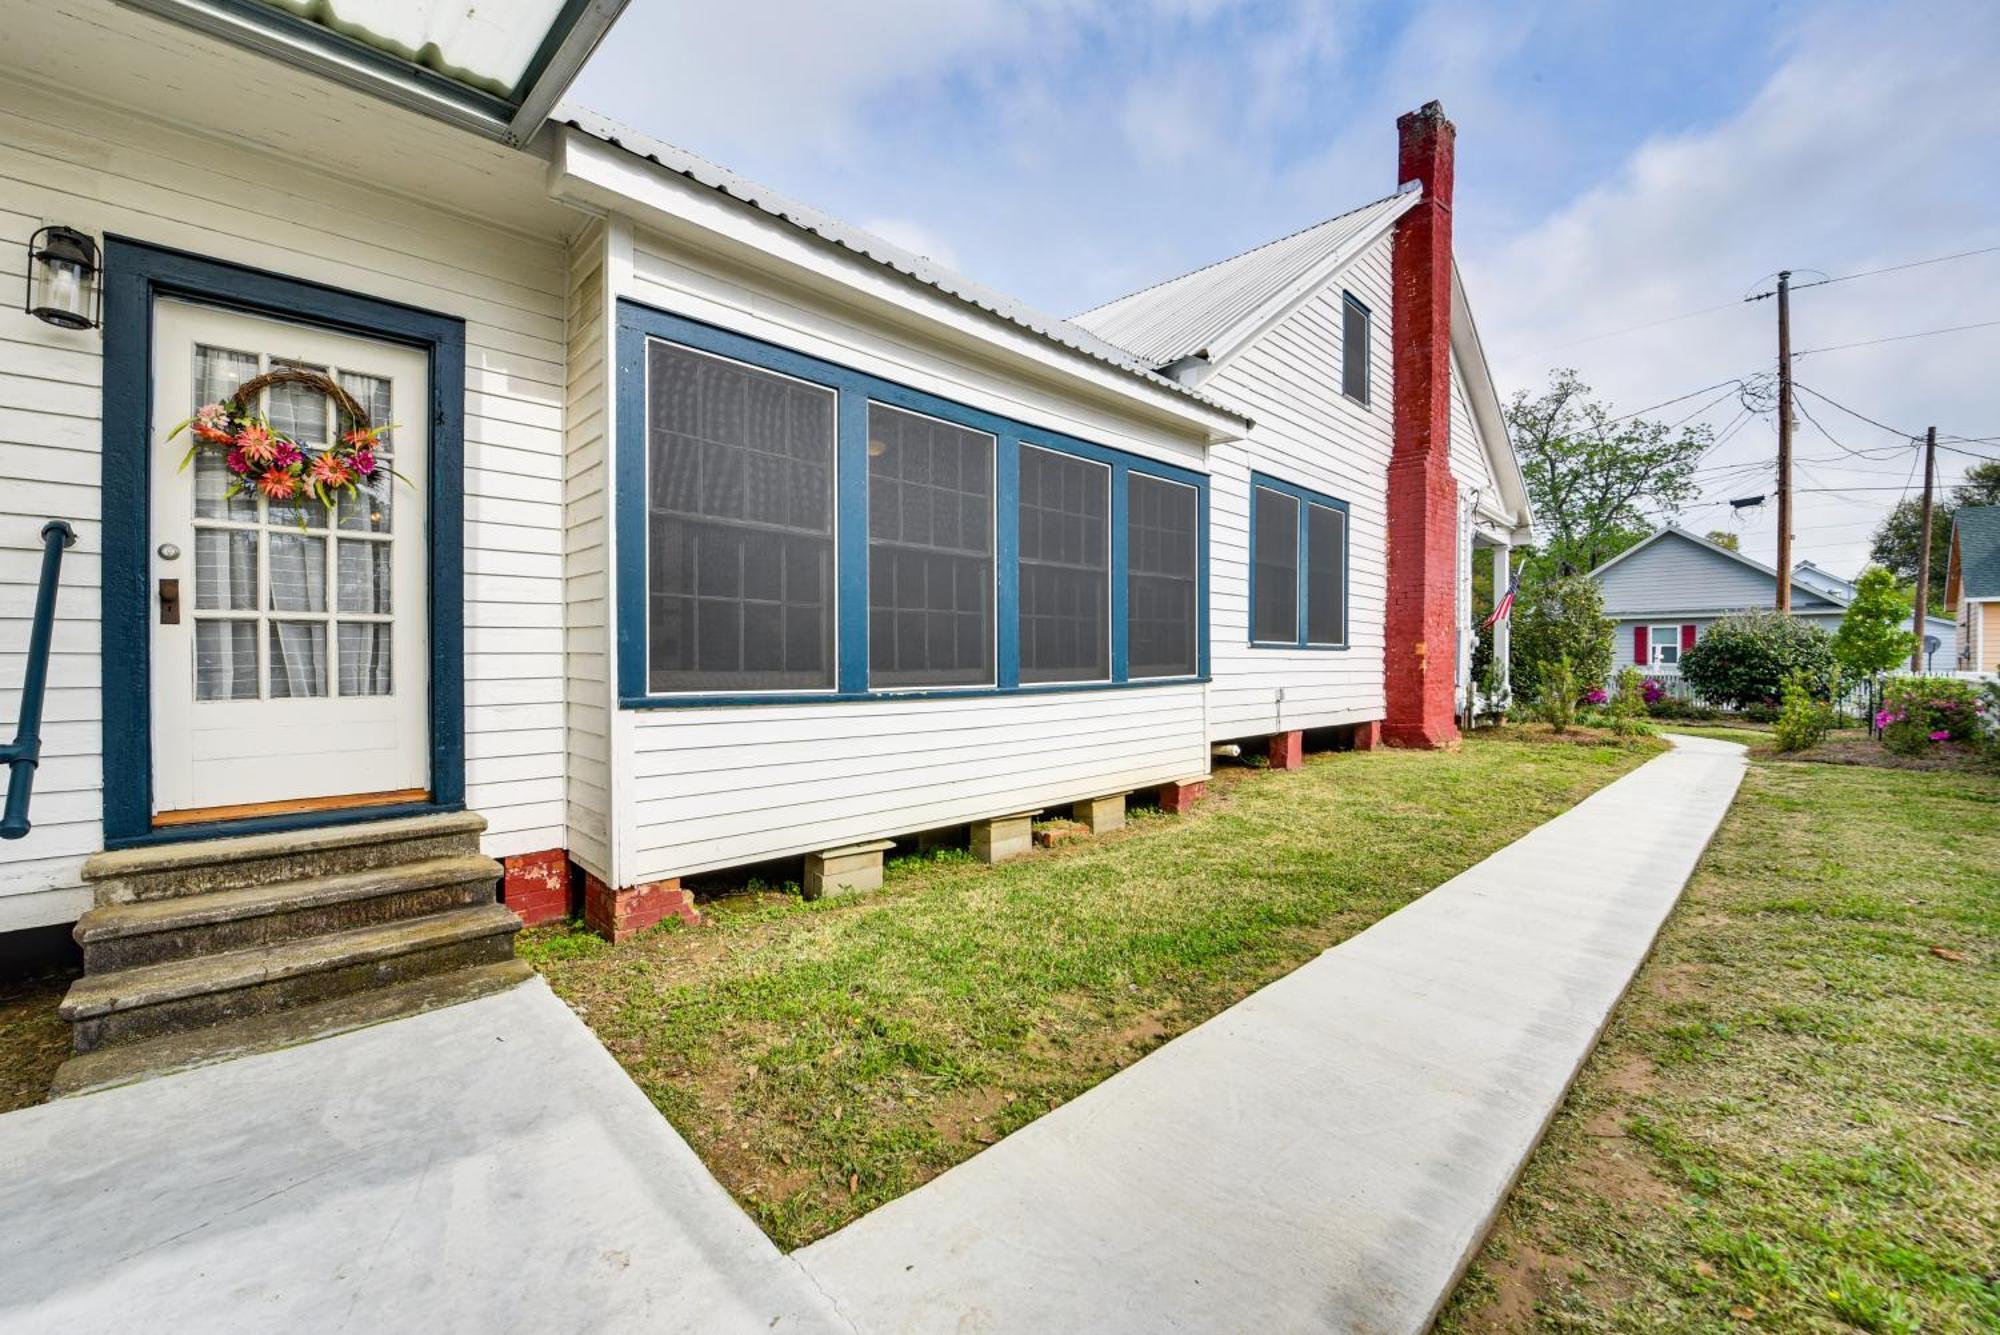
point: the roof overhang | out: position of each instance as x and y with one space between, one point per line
1488 419
724 221
496 69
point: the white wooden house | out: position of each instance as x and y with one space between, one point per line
729 533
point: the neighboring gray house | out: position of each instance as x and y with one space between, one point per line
1665 591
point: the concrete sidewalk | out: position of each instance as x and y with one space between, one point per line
1328 1153
483 1168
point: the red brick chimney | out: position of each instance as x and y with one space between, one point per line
1421 630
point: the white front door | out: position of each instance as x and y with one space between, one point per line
292 671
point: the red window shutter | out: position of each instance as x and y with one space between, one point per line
1687 636
1639 645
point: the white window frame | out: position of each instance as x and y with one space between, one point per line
1655 642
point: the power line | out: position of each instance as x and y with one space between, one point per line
1887 268
1898 338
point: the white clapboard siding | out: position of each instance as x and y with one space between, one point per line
109 171
1470 463
707 788
586 568
1308 433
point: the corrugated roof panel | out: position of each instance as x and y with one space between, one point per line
920 268
1184 315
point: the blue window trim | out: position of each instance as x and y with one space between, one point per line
1305 496
1367 396
637 323
135 274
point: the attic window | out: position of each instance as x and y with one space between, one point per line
1355 324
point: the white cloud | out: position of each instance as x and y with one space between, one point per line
1848 158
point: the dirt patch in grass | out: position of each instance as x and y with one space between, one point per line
33 1039
1793 1122
825 1058
1577 734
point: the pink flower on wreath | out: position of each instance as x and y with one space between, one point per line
284 454
1941 735
236 463
330 470
279 486
212 415
256 444
364 462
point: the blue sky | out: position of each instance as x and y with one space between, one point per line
1619 164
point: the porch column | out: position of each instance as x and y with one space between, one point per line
1503 631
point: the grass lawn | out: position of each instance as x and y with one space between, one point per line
1793 1122
824 1059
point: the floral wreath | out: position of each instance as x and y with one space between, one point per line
269 462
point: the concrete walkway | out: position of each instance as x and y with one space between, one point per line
1327 1154
486 1168
1322 1156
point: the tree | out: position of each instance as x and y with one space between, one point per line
1560 620
1723 537
1743 660
1901 530
1592 476
1871 638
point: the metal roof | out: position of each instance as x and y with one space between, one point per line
921 269
1977 530
1187 315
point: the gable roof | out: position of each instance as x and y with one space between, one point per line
1975 554
1823 581
1214 309
868 246
1694 599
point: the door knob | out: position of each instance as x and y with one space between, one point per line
170 602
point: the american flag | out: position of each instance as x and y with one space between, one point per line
1505 607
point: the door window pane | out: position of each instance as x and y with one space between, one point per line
1162 551
225 570
930 551
298 573
217 373
740 526
1065 597
364 577
1274 616
365 668
298 659
1326 575
225 660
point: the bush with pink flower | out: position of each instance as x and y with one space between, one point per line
1921 712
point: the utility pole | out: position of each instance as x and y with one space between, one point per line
1785 442
1924 554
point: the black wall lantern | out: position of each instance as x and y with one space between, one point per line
64 279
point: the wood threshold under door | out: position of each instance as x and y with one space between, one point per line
247 810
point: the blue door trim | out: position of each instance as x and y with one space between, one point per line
137 273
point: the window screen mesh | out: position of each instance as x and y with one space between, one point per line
1326 573
1354 349
1162 551
1065 517
1274 615
930 551
739 526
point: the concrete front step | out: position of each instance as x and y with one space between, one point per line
205 1046
122 936
165 871
151 1000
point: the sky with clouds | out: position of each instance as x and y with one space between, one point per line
1627 174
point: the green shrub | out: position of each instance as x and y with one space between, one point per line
1744 660
1555 704
1918 712
1804 722
1628 695
1560 619
1686 710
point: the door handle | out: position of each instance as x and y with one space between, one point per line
170 602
